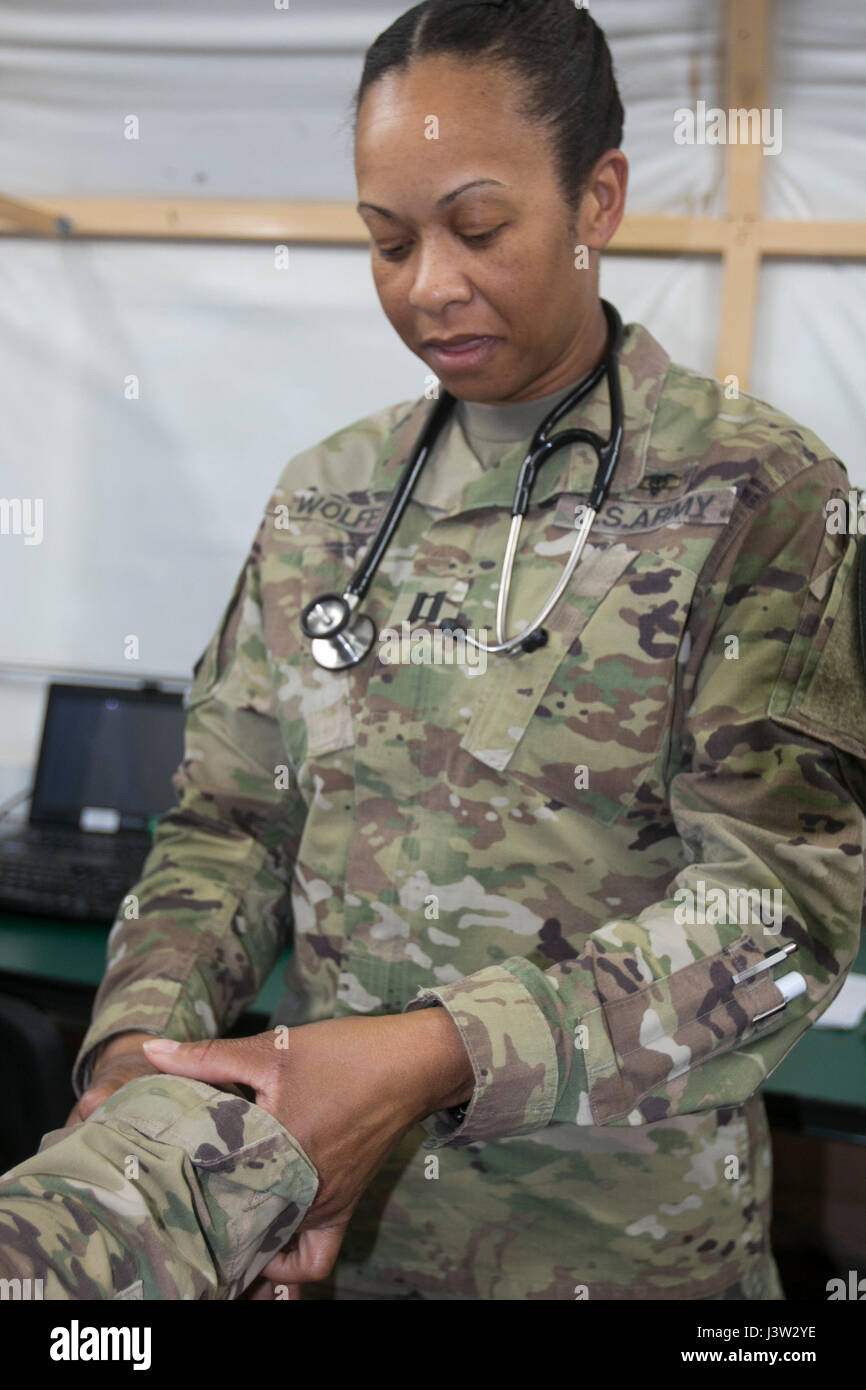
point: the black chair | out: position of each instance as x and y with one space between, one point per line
35 1086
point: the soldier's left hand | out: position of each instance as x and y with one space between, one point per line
347 1089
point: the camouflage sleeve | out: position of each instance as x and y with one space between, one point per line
766 778
199 933
171 1190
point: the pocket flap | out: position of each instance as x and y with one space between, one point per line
514 684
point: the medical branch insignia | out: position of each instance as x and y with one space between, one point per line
661 482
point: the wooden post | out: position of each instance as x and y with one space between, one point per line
746 87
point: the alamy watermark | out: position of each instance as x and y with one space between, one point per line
23 516
77 1343
741 907
846 517
437 647
23 1290
855 1289
738 126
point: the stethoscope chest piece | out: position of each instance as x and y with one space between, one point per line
338 639
350 647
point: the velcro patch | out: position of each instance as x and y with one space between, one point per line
829 701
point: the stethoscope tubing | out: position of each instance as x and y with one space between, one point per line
502 643
342 606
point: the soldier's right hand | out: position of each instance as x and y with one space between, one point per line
120 1060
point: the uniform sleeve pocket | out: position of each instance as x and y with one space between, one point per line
827 699
644 1036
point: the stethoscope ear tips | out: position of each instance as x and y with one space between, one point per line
535 640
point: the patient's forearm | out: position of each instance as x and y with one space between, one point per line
117 1045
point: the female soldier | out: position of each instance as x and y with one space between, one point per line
587 857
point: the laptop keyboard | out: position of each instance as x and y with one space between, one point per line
57 839
82 891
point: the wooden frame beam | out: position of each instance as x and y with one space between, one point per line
205 219
26 217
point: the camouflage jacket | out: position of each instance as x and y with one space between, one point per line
170 1190
574 851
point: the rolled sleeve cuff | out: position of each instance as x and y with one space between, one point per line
513 1055
240 1181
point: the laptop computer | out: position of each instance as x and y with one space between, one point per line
103 776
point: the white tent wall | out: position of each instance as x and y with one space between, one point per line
151 503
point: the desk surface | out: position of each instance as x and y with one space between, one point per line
827 1065
74 953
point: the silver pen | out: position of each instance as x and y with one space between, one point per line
775 958
797 983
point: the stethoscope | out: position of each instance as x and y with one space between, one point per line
342 637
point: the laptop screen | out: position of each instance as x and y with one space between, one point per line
107 757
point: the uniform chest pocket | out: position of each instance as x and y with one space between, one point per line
312 698
586 719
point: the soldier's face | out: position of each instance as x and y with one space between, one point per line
496 261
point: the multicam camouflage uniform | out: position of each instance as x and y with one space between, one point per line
170 1190
509 843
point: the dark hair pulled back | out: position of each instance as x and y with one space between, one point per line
555 47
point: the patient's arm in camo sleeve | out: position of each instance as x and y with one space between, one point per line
171 1190
766 792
